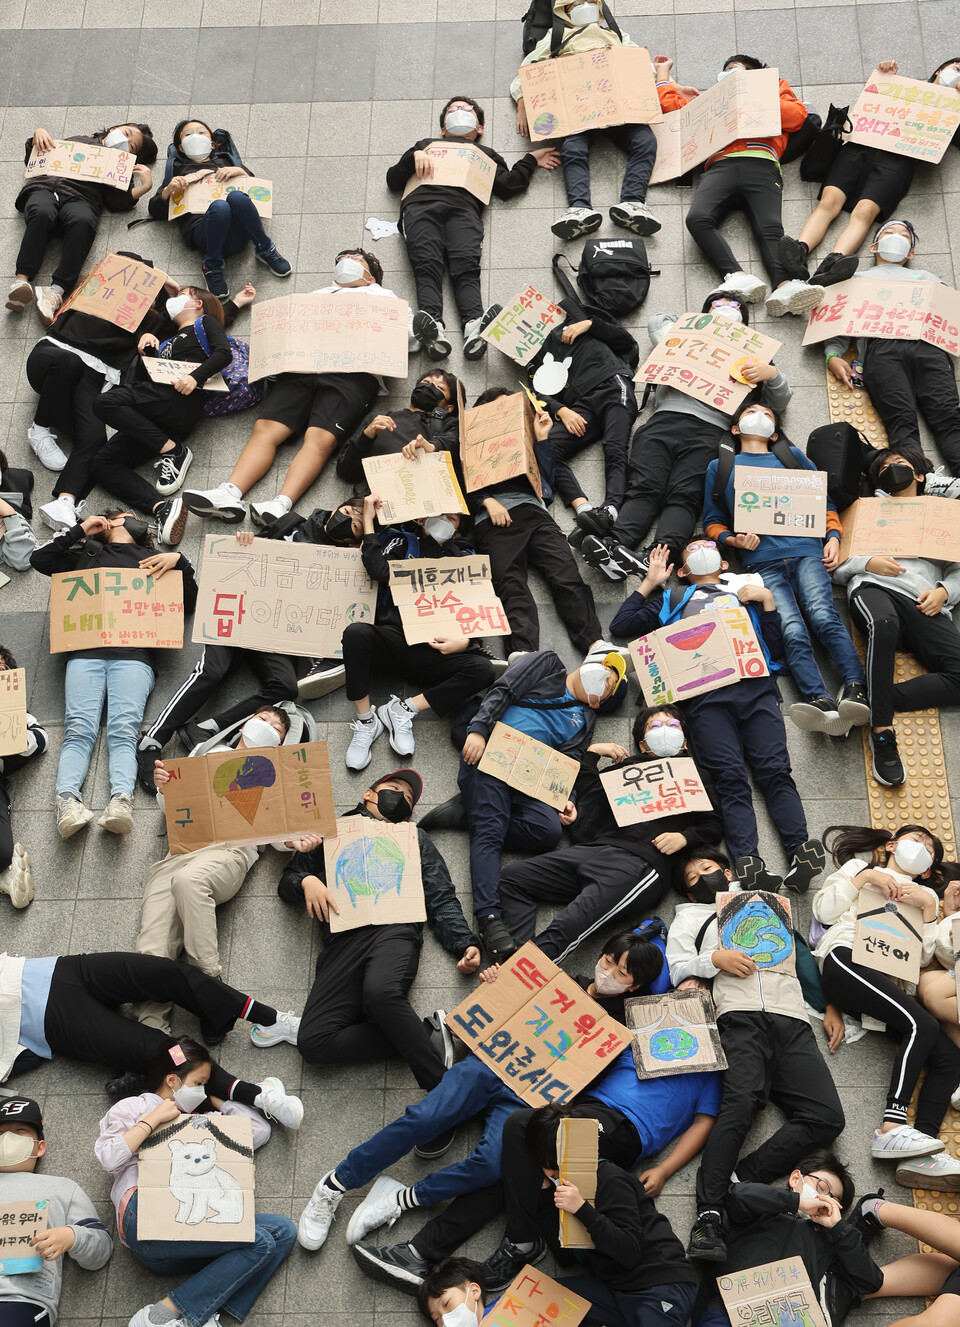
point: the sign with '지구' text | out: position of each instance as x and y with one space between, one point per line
83 161
497 443
640 790
889 310
459 166
744 104
700 653
889 935
121 609
451 597
119 290
197 197
19 1222
771 1293
533 1299
588 90
248 796
13 711
269 595
531 767
539 1031
425 486
171 370
782 502
917 527
674 1033
905 117
346 333
373 873
703 356
523 324
195 1180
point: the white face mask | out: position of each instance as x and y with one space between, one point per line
727 311
176 304
893 247
756 424
15 1148
117 140
724 73
605 984
197 146
664 740
582 15
462 1316
459 122
949 78
807 1192
257 732
703 561
439 528
594 678
189 1097
347 271
912 857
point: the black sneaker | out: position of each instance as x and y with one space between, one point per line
501 1267
495 938
171 518
325 675
436 1146
146 756
173 467
854 705
864 1220
397 1265
576 536
216 282
440 1035
127 1084
752 873
794 255
615 561
808 861
841 269
451 814
706 1239
191 734
275 260
431 334
887 766
596 520
819 715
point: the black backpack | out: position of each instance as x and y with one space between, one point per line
537 22
614 274
844 454
728 452
822 152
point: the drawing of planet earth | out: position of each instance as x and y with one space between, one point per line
369 867
673 1044
545 124
241 781
758 932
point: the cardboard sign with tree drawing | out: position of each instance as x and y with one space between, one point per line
523 324
119 290
19 1222
907 117
704 356
640 790
426 486
533 1299
13 711
589 90
675 1033
450 597
373 873
772 1292
345 333
919 527
760 925
781 502
530 766
459 166
536 1029
889 311
195 1181
497 443
700 653
197 197
83 161
577 1153
889 936
266 794
169 370
101 609
745 104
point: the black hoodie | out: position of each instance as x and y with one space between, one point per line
507 183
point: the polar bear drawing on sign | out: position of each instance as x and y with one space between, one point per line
201 1186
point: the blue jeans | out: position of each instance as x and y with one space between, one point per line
802 588
223 1276
467 1089
636 140
227 227
126 685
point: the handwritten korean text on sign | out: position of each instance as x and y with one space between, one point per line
13 711
746 104
890 311
425 486
83 161
919 527
123 609
497 443
460 166
524 322
772 1292
452 597
119 290
170 370
697 654
197 197
906 117
700 354
781 502
19 1222
588 90
641 790
532 767
343 333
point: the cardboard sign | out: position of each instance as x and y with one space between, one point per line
83 161
699 355
641 790
534 1299
118 290
589 90
197 197
917 527
701 653
888 310
773 1292
170 370
346 333
13 711
426 486
529 766
760 925
373 873
19 1222
577 1155
889 936
536 1029
263 794
781 502
674 1033
497 443
906 117
459 166
122 609
452 597
195 1181
524 322
746 104
270 596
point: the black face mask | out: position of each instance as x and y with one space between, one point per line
895 478
707 886
392 805
426 396
339 526
135 528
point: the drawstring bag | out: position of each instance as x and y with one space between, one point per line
242 394
822 152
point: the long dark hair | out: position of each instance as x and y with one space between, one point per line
148 148
163 1063
7 661
211 306
862 841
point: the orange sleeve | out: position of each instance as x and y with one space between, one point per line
833 524
670 99
715 529
793 113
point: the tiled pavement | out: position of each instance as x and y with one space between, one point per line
322 95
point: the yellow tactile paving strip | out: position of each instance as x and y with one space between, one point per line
853 405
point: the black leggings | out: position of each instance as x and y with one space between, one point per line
68 389
921 1043
146 418
749 184
892 621
43 214
447 679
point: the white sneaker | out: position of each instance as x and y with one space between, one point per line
265 513
940 1172
279 1105
753 290
577 221
19 296
44 444
284 1029
60 514
634 216
398 721
171 519
17 879
48 302
317 1217
514 655
71 816
118 815
793 297
903 1143
172 472
365 733
325 675
431 334
955 1099
214 502
142 1319
379 1208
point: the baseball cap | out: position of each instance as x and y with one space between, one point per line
604 653
409 776
22 1110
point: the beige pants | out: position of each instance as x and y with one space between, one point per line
179 913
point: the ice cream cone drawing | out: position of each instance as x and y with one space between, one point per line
241 780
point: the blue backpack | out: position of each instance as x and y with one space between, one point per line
242 394
654 929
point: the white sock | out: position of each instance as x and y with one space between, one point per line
57 290
410 709
231 489
368 717
209 725
284 501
